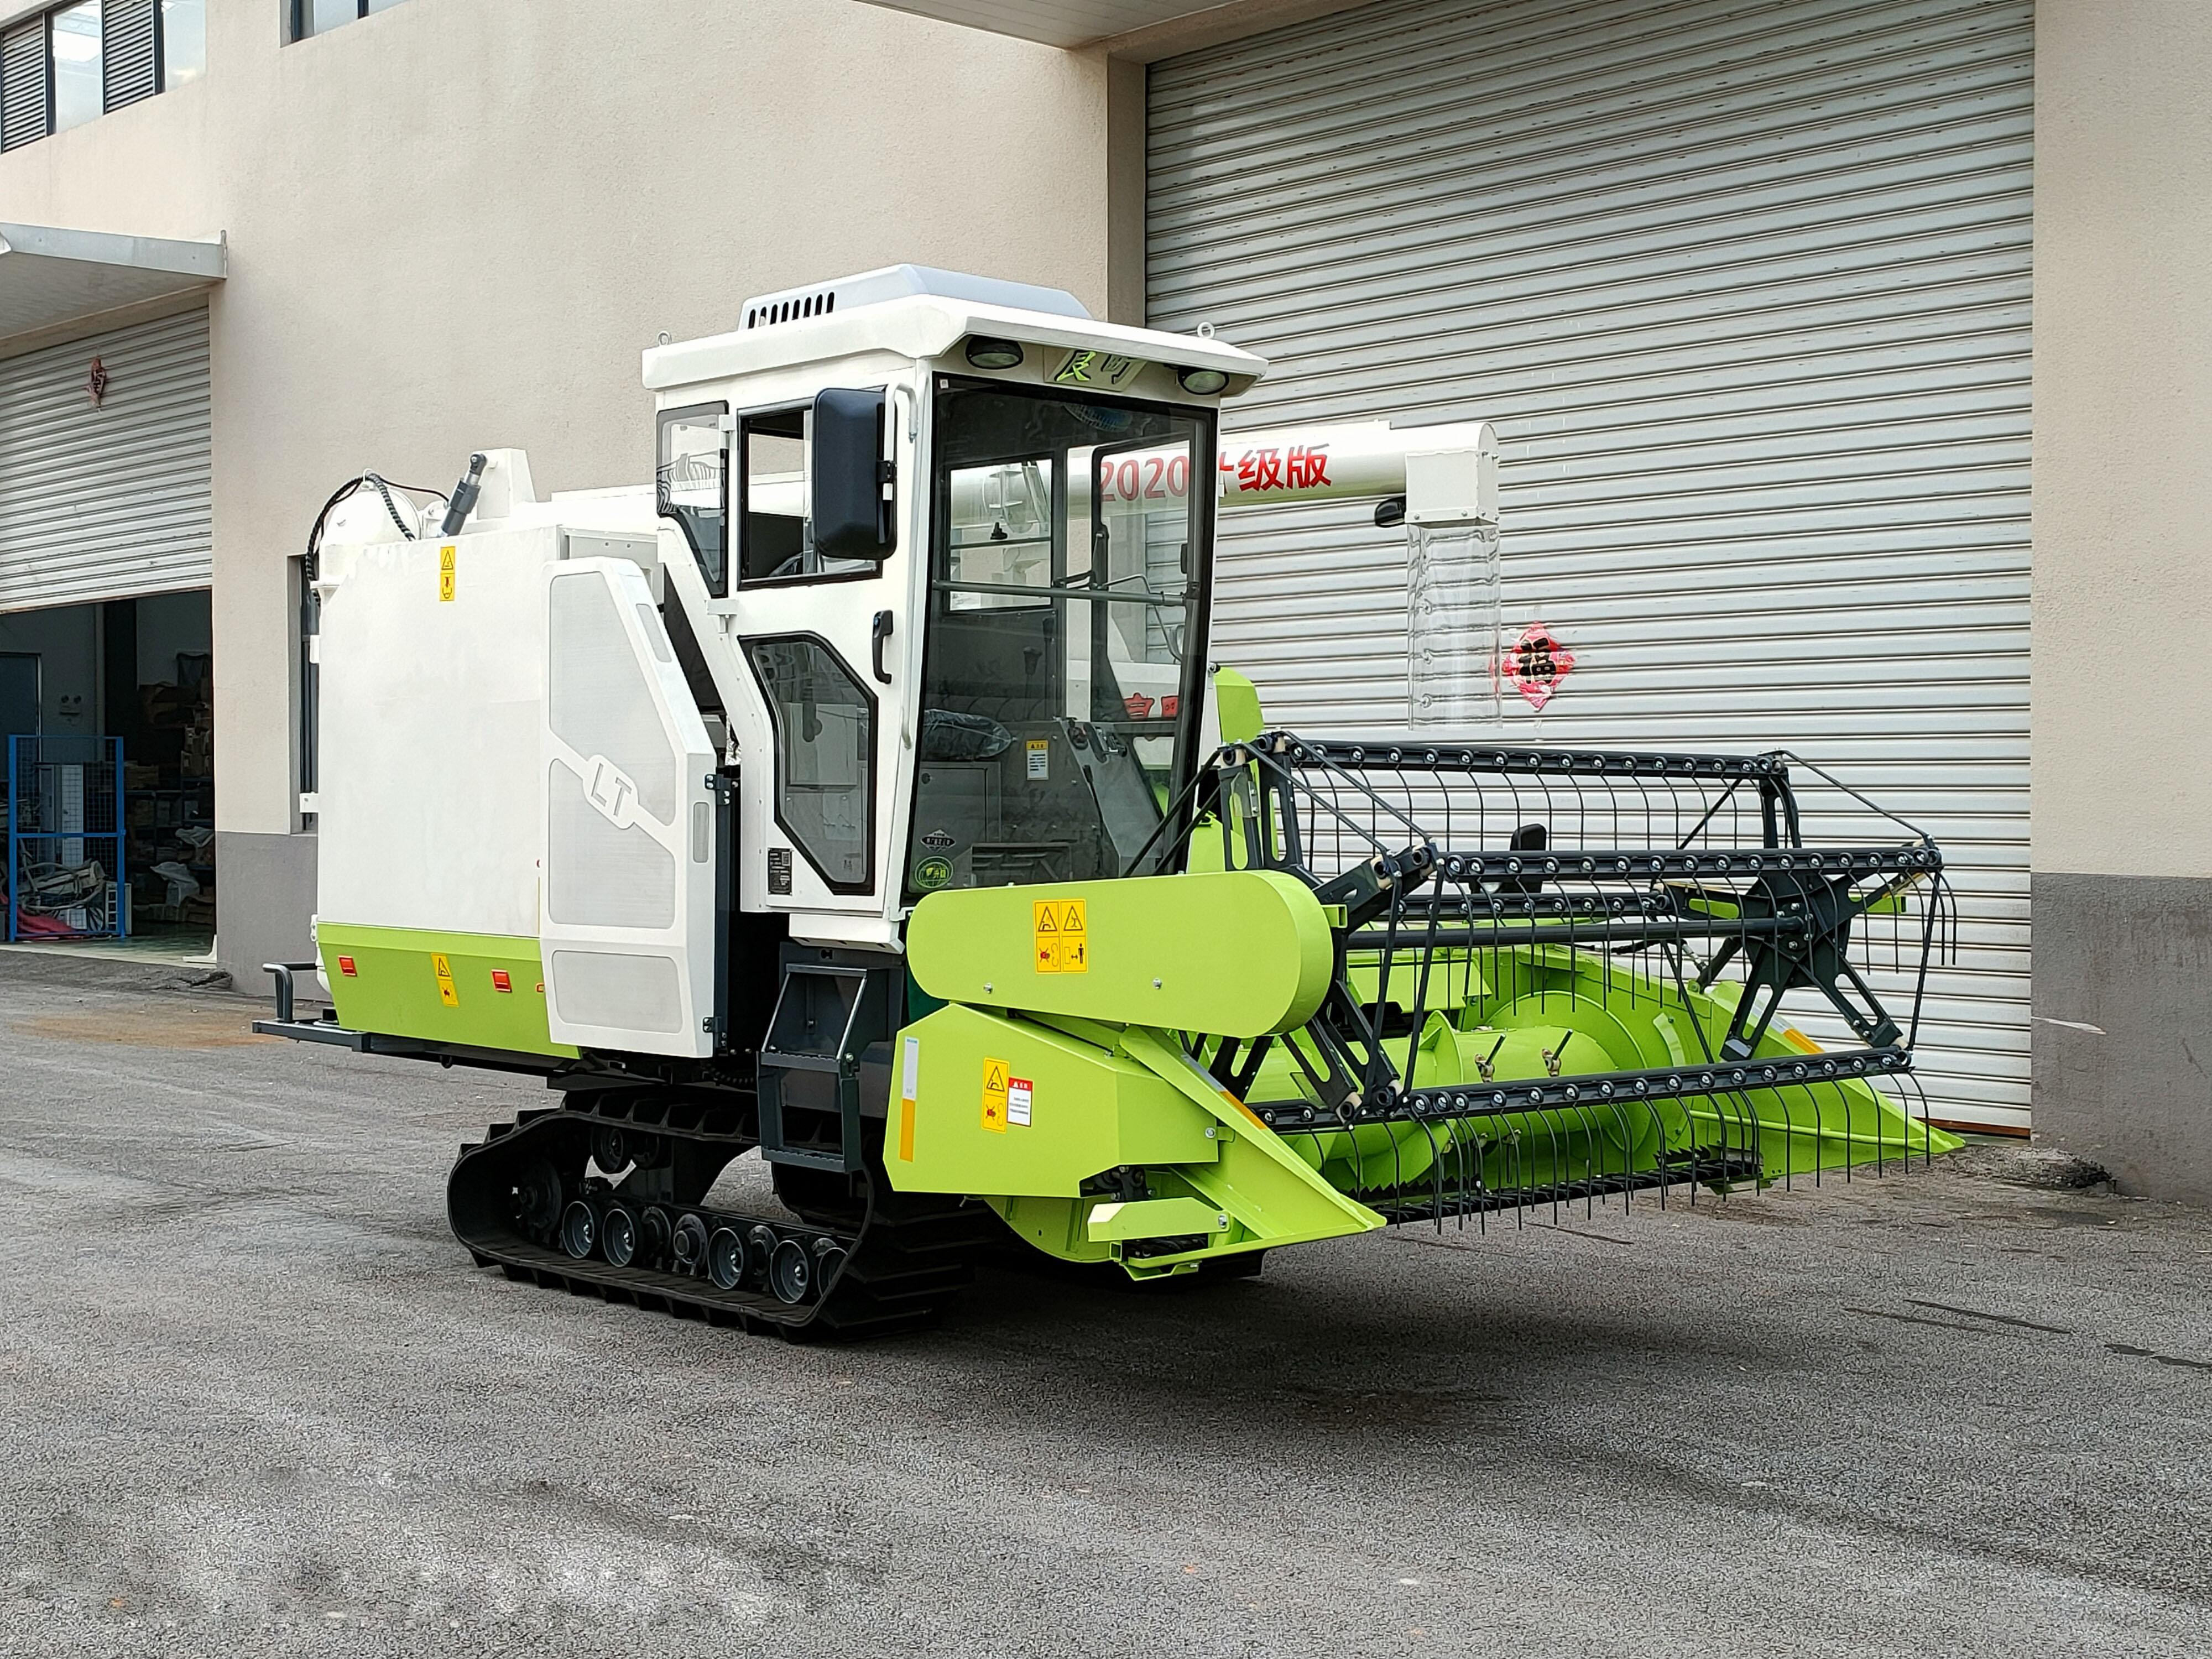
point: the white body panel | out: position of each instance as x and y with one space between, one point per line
429 713
627 850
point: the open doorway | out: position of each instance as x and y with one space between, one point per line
112 806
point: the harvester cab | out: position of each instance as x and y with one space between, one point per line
863 793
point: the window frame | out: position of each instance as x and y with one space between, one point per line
161 47
54 68
866 569
297 13
689 414
866 886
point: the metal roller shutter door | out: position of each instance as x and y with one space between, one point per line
1746 288
101 503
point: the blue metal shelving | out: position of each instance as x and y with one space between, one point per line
65 835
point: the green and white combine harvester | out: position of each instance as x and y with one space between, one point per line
861 794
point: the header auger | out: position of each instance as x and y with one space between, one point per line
860 795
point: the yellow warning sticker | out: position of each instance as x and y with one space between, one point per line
1063 944
446 571
444 970
909 1087
994 1096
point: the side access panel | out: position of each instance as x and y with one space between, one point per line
627 815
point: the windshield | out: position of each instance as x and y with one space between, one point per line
1066 629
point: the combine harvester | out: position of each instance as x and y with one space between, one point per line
861 794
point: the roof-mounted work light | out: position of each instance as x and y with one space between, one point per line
995 354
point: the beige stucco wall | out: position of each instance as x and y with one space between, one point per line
455 225
2122 682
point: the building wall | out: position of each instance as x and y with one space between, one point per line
2122 701
455 224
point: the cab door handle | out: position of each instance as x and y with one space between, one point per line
877 635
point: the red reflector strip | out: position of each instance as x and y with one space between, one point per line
346 967
500 982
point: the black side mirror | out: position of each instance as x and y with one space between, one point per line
852 503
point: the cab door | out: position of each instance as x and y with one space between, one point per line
818 576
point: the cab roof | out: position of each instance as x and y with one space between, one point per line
924 327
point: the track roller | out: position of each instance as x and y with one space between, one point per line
791 1272
656 1233
618 1236
760 1251
725 1259
689 1244
579 1230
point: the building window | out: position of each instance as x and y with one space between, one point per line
63 67
183 41
320 17
74 37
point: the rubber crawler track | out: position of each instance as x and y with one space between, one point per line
905 1256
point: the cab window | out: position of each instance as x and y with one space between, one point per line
692 485
825 756
1066 637
776 541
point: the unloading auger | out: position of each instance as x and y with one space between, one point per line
860 795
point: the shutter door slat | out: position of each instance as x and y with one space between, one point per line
108 502
1746 290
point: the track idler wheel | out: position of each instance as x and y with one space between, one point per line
791 1272
534 1200
689 1244
829 1257
579 1230
725 1259
618 1236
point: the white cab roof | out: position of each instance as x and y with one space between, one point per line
923 327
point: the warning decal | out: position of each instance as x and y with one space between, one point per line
444 970
1062 943
446 556
909 1086
1018 1102
1040 759
994 1096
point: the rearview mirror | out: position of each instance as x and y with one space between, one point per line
852 495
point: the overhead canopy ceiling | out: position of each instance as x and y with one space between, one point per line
50 277
1055 23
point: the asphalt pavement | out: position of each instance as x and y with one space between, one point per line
254 1400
